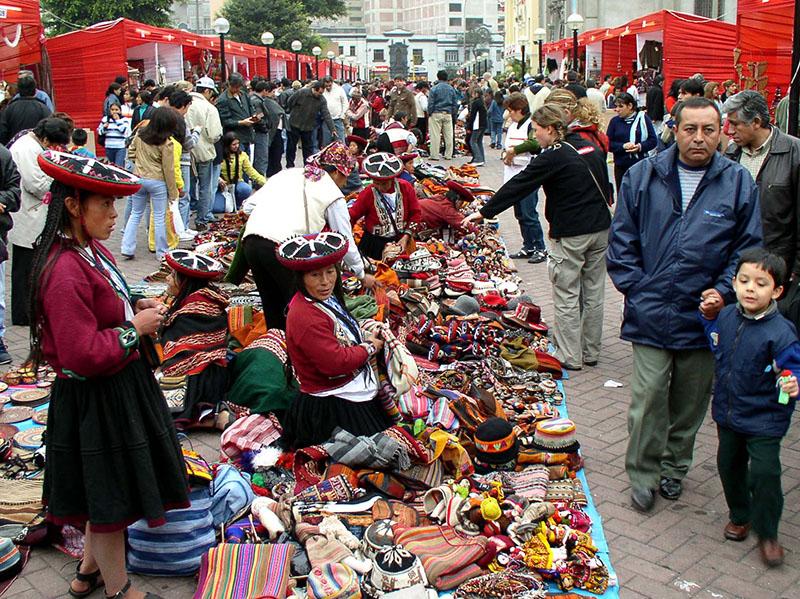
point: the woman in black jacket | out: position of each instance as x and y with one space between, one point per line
574 175
476 123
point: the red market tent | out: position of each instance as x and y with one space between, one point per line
22 34
763 60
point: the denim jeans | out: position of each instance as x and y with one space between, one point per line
183 203
496 134
529 226
476 145
155 192
216 169
327 138
116 156
205 190
261 152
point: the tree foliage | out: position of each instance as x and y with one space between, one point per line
288 20
60 16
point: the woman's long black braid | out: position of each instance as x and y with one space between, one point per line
56 224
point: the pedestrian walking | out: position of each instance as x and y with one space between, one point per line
23 112
303 108
235 112
337 104
115 131
630 135
203 115
442 105
495 119
476 124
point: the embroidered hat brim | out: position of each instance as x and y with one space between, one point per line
310 252
88 174
382 166
194 265
358 140
464 194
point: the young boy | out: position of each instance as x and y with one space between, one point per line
753 398
79 139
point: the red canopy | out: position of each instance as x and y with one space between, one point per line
764 37
22 35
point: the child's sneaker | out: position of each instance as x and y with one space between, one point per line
5 357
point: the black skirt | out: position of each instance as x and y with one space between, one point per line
204 391
311 420
112 454
372 245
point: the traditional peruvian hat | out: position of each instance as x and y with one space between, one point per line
88 174
358 140
310 252
382 166
408 156
496 442
463 193
527 315
192 264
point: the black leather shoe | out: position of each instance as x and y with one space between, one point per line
670 488
643 499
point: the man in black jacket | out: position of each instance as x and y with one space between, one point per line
303 108
9 202
277 124
261 128
235 112
23 112
655 103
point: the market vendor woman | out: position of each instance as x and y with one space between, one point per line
111 451
389 206
329 354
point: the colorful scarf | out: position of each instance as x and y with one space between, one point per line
334 154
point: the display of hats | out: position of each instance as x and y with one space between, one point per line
528 316
15 414
465 305
464 194
31 438
358 140
310 252
30 397
382 166
378 535
555 435
496 442
7 431
419 261
332 581
395 568
194 265
10 559
88 174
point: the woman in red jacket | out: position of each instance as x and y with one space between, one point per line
111 451
325 345
389 206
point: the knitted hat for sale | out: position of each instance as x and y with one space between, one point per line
332 581
9 559
377 536
555 435
496 442
396 568
88 174
310 252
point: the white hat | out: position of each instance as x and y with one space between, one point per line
206 82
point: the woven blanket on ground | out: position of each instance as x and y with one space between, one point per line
245 571
376 451
195 334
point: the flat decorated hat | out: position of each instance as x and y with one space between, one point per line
310 252
382 166
332 581
358 140
464 194
194 265
556 435
88 174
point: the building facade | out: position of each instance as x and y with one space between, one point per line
196 16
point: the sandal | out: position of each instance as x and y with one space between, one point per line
126 588
92 579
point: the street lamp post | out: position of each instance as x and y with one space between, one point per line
222 26
268 39
316 51
341 62
575 22
522 42
330 56
296 46
539 33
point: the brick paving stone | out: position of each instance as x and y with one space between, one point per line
671 552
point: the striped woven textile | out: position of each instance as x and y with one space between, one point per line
245 571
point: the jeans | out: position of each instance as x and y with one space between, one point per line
496 134
529 226
441 124
327 138
116 156
183 203
296 135
314 140
205 190
216 169
261 152
156 192
476 145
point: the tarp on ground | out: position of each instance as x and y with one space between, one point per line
764 35
21 36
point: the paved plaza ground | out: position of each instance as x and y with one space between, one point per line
677 550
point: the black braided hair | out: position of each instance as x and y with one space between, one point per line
56 223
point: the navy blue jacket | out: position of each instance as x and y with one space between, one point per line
750 355
619 133
661 259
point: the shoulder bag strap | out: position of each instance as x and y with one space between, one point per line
603 194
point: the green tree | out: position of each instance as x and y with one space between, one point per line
60 16
286 19
325 8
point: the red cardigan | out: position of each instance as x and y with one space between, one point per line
364 206
81 311
320 360
439 211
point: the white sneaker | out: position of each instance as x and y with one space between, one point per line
187 236
476 163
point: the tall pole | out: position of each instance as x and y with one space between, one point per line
297 65
269 71
794 88
541 62
575 50
317 65
524 68
223 66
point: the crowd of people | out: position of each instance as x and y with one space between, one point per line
702 241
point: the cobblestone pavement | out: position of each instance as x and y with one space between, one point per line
675 551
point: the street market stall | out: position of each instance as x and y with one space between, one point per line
22 33
763 55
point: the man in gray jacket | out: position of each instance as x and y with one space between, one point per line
203 116
303 107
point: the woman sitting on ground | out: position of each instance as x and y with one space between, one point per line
194 337
236 164
338 387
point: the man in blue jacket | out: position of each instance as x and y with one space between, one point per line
682 220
